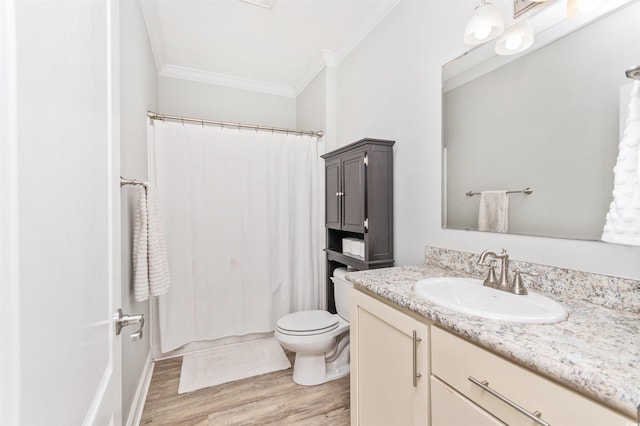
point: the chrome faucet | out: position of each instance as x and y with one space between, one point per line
502 283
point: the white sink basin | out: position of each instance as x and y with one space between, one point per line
469 296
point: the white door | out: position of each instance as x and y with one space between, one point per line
59 224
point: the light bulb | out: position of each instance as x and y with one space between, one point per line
513 42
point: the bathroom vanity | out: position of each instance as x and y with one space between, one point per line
425 364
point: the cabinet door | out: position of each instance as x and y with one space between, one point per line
383 390
332 195
353 187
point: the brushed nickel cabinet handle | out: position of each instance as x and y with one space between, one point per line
535 416
416 375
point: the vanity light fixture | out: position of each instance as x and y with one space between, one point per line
516 39
485 24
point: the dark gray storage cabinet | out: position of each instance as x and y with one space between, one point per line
359 205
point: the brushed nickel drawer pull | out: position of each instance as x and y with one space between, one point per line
416 375
535 416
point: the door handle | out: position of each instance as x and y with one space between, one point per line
125 320
416 375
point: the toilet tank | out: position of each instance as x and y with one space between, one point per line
341 288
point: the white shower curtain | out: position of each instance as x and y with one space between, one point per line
243 229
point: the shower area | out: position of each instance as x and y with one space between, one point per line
242 214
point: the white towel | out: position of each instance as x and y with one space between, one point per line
493 213
622 225
150 261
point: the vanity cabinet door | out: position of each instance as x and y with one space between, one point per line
388 385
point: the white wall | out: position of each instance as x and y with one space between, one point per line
187 98
390 88
139 93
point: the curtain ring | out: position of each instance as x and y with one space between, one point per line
202 122
182 119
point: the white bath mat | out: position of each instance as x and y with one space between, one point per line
230 363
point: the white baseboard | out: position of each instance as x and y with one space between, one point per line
135 414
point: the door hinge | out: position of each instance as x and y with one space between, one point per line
366 160
366 223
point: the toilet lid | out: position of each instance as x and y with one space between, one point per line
308 322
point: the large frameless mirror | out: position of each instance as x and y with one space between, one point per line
549 119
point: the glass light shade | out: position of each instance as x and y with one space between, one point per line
485 24
516 39
576 8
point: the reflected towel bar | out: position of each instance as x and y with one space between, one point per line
527 191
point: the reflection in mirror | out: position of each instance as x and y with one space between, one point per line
549 119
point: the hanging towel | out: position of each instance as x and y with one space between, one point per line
622 223
493 213
150 261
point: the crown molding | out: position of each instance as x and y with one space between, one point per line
184 73
334 58
326 57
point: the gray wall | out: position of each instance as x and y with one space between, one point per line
311 104
139 93
548 120
390 87
200 100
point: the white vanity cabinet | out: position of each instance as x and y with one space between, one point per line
389 365
455 363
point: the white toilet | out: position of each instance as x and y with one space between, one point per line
319 339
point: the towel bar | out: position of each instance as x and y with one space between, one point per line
527 191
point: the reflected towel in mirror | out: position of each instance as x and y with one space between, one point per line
493 213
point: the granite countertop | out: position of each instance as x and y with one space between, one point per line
596 351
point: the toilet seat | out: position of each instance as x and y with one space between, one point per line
307 323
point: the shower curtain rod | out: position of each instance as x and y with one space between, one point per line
125 181
163 117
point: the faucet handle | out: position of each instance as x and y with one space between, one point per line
517 286
491 276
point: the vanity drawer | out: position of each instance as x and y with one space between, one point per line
455 361
448 407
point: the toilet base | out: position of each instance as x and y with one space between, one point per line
312 370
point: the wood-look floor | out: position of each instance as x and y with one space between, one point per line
270 399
